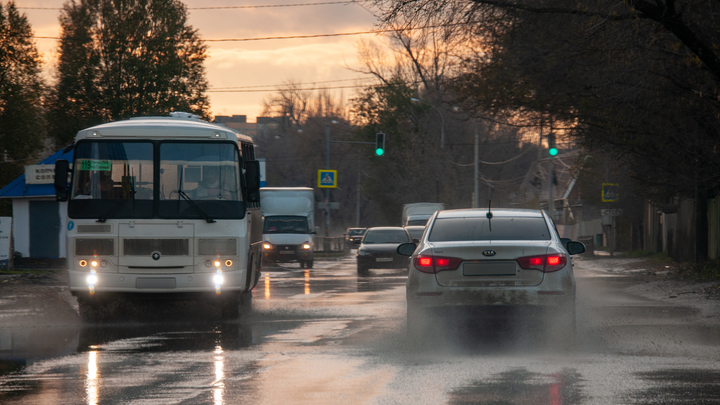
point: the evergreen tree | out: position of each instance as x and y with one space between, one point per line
124 58
21 123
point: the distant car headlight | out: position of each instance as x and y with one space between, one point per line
267 246
306 246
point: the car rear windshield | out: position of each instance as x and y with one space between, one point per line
386 236
468 229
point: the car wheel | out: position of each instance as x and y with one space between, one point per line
560 327
302 264
309 264
414 327
362 269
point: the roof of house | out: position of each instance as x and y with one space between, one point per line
19 189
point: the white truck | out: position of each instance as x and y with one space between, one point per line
288 224
161 208
419 213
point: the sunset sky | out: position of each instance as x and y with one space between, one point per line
246 65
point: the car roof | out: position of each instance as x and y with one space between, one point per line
386 228
497 212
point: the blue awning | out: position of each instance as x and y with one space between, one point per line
19 189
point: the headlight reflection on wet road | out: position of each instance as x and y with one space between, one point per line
307 282
92 382
219 382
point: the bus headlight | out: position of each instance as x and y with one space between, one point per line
218 279
82 263
92 279
228 263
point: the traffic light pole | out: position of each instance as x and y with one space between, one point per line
327 167
551 197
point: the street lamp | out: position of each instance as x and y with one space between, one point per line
442 122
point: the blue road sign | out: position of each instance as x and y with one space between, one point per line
327 178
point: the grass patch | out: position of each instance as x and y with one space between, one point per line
26 271
706 271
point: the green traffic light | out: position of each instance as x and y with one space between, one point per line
553 151
379 152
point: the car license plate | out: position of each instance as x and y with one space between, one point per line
287 252
383 259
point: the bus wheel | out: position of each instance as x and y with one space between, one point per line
90 310
230 306
246 302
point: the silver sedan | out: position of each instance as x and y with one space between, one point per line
477 264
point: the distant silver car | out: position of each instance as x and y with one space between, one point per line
480 264
378 249
415 231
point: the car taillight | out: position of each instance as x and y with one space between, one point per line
545 263
435 264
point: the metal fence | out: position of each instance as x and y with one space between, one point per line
330 244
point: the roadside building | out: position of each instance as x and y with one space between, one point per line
39 220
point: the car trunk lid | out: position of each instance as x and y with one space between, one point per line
490 264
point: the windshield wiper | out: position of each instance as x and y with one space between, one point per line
104 216
196 207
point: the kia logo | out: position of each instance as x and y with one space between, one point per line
489 253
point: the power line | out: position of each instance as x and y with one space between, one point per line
276 89
326 3
278 85
339 34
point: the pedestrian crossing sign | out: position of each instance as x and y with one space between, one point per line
327 178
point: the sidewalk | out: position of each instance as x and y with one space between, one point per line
665 279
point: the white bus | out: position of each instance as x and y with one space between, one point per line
161 207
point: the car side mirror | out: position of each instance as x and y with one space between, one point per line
564 241
62 168
406 249
575 248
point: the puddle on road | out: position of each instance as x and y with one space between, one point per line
520 386
678 387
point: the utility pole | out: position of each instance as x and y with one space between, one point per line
327 191
357 202
476 199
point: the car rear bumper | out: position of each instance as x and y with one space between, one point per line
489 297
370 262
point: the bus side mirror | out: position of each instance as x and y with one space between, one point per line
252 180
62 168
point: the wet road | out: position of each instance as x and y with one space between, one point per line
328 336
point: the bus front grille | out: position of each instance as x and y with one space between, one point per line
146 247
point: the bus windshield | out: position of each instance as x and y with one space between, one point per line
125 179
